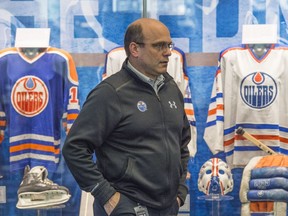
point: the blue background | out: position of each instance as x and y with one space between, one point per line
200 27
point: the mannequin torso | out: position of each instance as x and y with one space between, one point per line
259 49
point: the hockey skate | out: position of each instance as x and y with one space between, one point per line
37 191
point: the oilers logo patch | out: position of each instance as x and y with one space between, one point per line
29 96
258 90
141 106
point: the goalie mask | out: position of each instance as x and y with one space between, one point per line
215 177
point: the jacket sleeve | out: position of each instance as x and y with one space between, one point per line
86 134
186 137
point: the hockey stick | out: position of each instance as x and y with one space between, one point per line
249 137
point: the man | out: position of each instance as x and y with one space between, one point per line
135 123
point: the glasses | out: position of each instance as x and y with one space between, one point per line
161 46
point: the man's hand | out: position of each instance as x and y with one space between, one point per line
111 203
179 201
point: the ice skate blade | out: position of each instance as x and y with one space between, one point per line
41 199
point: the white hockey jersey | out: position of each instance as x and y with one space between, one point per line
176 68
251 93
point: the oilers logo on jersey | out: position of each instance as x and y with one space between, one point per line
258 90
248 92
38 101
29 96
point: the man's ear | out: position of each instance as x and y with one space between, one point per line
134 49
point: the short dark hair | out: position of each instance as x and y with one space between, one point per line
134 33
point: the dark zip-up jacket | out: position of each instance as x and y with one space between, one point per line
140 139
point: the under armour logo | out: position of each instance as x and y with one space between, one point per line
172 104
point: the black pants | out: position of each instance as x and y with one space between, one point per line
126 207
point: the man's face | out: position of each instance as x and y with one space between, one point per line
154 51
